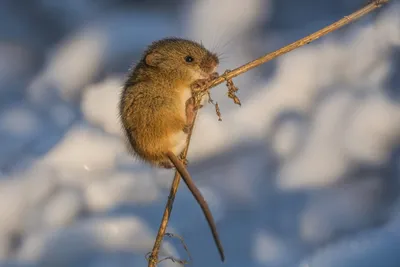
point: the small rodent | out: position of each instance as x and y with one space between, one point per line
157 107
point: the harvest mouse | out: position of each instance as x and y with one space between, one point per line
157 107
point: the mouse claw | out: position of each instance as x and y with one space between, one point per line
186 128
213 76
198 107
226 72
166 165
185 161
198 85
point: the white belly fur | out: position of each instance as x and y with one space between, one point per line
178 142
179 139
187 93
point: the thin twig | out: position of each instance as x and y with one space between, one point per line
183 262
299 43
153 259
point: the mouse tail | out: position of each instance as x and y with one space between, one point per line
199 197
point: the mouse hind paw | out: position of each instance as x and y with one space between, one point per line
184 161
166 165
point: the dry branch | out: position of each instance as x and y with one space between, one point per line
372 5
306 40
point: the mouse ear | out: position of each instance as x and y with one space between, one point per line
153 59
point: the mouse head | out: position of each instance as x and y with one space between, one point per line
189 58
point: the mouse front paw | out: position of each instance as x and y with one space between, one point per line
198 85
197 107
213 76
186 128
166 165
184 161
201 83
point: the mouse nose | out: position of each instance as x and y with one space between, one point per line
209 63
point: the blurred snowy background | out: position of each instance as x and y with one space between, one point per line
305 173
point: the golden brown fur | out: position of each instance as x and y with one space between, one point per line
156 107
150 108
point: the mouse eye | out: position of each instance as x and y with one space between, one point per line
189 59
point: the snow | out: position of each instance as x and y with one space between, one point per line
304 173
